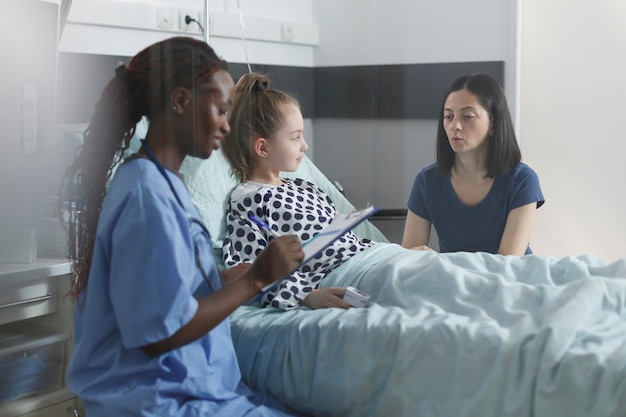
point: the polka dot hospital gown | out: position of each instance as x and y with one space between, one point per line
296 207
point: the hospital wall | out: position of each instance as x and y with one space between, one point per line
399 56
405 54
98 34
572 112
374 80
27 88
101 33
397 121
565 89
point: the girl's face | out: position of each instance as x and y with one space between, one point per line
210 124
286 148
466 122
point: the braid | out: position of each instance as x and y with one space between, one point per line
104 141
141 89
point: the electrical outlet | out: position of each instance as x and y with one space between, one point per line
194 25
287 32
166 18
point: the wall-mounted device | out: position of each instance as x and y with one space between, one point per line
30 131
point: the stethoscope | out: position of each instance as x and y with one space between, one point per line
192 220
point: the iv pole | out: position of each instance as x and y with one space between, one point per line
206 21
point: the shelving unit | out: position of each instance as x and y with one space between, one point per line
34 293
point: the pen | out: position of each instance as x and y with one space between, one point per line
264 225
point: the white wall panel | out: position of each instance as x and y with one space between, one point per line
572 107
366 32
276 32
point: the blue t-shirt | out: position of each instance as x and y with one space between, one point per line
478 228
143 287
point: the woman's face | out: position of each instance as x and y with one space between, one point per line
212 102
466 122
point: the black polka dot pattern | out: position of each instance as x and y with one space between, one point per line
296 207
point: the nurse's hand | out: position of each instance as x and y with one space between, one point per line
281 257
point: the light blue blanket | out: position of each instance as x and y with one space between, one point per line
449 335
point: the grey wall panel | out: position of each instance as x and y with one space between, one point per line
373 126
83 76
296 80
406 91
375 160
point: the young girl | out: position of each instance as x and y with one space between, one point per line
152 329
266 138
478 196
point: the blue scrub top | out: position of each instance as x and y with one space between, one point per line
142 288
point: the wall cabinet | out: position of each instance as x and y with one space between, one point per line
34 294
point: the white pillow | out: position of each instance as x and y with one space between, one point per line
210 185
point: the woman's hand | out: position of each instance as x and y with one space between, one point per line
421 247
281 257
326 298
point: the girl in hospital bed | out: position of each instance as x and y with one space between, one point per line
478 195
152 328
267 137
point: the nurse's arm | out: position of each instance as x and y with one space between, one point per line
518 229
416 231
278 259
212 310
233 272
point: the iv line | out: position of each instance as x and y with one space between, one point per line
243 38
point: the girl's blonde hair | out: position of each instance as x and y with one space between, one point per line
257 111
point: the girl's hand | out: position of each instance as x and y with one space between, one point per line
281 257
326 298
421 247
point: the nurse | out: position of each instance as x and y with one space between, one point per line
152 330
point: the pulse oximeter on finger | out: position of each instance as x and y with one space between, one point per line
356 297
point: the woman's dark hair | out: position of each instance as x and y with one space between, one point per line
503 151
257 111
142 88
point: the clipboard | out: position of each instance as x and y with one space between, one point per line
341 224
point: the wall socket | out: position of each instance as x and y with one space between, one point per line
166 18
191 27
287 32
174 19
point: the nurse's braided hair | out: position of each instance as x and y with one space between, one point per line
142 88
257 111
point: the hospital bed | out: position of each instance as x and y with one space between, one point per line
444 334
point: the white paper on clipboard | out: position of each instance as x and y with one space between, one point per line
340 225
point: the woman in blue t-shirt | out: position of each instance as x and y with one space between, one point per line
479 196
